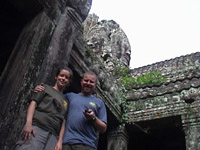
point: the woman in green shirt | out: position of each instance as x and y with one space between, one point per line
45 123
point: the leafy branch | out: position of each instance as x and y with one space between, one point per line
124 75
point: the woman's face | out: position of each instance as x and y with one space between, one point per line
63 78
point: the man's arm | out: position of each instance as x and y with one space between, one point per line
39 88
28 128
99 125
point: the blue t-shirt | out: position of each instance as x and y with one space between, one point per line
78 129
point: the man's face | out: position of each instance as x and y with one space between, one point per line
88 83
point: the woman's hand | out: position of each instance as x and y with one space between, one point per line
58 145
27 131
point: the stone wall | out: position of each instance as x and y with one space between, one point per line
56 37
178 96
53 38
44 44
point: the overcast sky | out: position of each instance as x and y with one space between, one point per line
157 29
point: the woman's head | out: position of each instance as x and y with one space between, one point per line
67 69
63 78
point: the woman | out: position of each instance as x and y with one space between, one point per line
45 124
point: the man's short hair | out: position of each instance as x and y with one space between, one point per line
90 73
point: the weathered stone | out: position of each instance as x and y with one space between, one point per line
44 44
107 39
118 139
178 96
56 37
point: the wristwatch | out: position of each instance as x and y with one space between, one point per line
94 118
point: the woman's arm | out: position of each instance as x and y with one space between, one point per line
60 139
28 129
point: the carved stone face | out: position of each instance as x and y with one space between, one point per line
108 40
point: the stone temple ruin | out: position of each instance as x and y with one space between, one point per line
38 36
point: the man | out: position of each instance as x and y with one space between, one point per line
86 117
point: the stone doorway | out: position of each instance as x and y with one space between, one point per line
161 134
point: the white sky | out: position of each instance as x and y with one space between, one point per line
157 29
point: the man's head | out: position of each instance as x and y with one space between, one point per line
88 83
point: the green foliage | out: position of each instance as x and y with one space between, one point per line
146 79
122 71
127 82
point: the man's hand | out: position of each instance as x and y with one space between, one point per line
89 114
98 124
27 131
39 88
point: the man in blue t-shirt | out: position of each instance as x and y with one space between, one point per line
87 117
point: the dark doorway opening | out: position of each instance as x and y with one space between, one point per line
161 134
102 145
14 15
75 85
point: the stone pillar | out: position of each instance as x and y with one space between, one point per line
60 46
118 139
44 44
191 127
